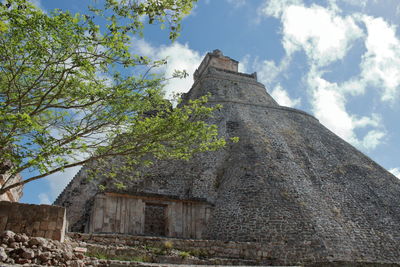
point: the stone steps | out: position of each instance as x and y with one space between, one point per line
153 256
124 250
115 264
206 251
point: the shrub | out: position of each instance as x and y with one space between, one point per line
168 245
184 254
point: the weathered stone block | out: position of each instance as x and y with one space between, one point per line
31 219
3 222
52 225
48 234
44 225
57 235
36 225
28 230
14 227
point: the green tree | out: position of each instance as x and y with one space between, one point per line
68 96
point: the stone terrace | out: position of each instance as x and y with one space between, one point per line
207 252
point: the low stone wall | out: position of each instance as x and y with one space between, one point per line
213 248
34 220
233 253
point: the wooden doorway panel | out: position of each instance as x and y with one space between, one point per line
155 219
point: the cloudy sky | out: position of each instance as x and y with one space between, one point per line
338 60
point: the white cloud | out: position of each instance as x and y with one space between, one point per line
275 8
58 181
395 172
359 3
179 57
282 97
268 71
372 139
329 106
321 32
326 36
244 64
353 87
323 35
374 121
143 48
44 199
381 63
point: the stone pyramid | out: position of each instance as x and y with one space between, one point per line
289 183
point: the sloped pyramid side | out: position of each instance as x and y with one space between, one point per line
297 187
289 182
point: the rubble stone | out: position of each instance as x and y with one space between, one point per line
3 255
35 250
8 234
28 254
37 241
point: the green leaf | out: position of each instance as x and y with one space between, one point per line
65 101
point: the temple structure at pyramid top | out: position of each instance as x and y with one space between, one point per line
289 183
217 60
222 71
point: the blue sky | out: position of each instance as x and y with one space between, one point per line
336 59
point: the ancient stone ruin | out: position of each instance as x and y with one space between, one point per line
289 184
33 220
15 193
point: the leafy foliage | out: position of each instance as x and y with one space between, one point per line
68 96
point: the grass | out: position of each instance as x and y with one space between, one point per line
184 254
156 250
103 256
168 245
199 253
97 255
148 253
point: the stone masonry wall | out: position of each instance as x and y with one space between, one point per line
289 183
34 220
236 252
217 60
77 198
119 213
216 248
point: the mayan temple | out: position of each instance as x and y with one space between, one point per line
289 183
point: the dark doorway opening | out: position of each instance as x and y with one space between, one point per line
155 219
